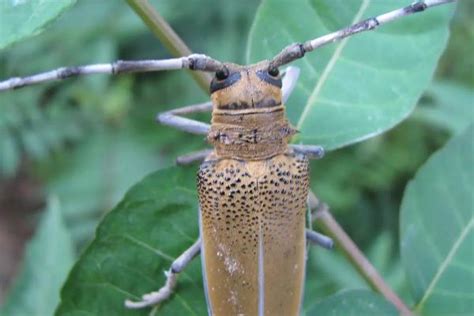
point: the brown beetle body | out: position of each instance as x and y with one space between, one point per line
252 193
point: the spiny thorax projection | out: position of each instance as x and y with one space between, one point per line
248 118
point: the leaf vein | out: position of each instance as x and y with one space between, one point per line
148 247
185 305
327 70
446 262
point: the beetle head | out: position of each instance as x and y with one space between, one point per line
246 87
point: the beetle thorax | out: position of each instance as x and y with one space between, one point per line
248 118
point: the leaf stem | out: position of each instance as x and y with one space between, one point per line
353 253
173 43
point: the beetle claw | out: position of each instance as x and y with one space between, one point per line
156 297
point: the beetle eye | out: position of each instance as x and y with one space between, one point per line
222 74
274 72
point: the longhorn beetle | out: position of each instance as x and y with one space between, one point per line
253 186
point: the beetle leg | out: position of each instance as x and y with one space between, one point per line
319 239
165 292
314 237
312 151
172 118
192 157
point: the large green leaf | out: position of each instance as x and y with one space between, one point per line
134 244
437 230
48 258
24 18
361 86
352 303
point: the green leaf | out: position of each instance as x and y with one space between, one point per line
23 18
353 303
155 222
448 105
48 258
361 86
437 230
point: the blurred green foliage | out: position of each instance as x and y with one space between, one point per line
88 140
44 268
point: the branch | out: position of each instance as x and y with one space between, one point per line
353 253
167 36
297 50
192 62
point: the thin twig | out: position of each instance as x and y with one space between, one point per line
353 253
297 50
193 62
167 36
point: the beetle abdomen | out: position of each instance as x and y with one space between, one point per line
253 234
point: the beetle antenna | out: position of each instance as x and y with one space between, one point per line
297 50
192 62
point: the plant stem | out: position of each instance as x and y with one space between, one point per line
353 253
167 36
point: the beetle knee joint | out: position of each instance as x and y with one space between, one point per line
176 267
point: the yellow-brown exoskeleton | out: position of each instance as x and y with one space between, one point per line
252 195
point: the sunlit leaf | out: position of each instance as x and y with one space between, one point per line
437 230
361 86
